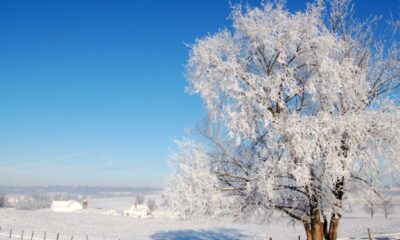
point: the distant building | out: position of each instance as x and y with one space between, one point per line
66 206
139 211
13 200
114 212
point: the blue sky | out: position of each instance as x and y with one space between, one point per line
92 92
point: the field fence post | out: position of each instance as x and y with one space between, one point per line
58 235
87 237
44 237
32 235
22 235
72 237
369 234
10 233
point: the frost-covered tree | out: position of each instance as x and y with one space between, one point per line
306 99
151 204
388 207
3 200
370 207
34 201
139 199
192 187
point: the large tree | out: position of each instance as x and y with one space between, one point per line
307 101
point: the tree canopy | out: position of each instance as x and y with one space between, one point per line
306 100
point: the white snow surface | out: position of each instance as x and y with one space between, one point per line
98 225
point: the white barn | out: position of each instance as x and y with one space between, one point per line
66 206
140 211
113 212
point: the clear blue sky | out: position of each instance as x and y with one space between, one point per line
92 92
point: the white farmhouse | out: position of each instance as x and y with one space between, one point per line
13 200
66 206
139 211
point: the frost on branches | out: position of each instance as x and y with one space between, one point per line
192 188
306 101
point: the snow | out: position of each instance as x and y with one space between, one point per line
302 124
164 225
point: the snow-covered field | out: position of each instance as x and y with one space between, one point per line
97 225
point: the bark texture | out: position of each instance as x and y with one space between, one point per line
320 229
316 226
307 228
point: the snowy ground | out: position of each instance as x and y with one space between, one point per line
97 225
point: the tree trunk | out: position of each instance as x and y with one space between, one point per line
333 227
307 228
317 230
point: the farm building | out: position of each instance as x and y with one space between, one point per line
140 211
66 206
113 212
13 200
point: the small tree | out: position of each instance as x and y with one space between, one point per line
388 207
139 199
369 208
304 99
3 200
151 204
34 201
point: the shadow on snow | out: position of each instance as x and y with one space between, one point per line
219 234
